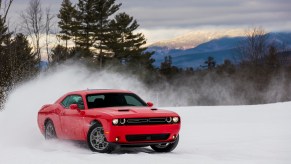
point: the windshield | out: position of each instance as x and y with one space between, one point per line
113 100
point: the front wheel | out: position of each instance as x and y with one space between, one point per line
97 141
166 147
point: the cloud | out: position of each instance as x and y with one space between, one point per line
163 16
189 13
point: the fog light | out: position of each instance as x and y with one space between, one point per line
116 139
174 137
175 119
115 121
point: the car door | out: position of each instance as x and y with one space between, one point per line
72 119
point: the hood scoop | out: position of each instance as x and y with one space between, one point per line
123 110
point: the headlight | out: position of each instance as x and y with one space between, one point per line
169 119
122 121
115 121
175 119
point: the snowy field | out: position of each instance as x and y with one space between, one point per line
210 135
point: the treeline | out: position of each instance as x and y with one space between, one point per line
261 74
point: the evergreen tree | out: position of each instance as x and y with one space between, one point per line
59 54
92 25
5 78
67 21
85 24
104 9
272 60
126 46
24 62
167 69
4 35
124 42
167 64
226 68
210 63
17 62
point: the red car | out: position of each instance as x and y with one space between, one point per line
108 118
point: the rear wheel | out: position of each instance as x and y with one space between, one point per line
50 132
97 141
166 147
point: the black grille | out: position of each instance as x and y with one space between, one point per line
146 121
147 137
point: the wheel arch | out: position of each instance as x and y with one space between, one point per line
48 119
103 120
95 121
55 124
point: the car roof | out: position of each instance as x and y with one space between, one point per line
98 91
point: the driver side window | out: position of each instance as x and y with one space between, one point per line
73 99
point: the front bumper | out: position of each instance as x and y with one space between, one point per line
142 134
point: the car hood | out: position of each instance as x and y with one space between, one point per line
130 112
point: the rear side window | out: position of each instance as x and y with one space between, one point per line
65 102
73 99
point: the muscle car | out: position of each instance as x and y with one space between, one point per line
107 119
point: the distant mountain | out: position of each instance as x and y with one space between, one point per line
219 48
195 38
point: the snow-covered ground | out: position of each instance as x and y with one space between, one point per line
225 134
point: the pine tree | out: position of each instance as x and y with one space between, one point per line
85 23
210 63
24 62
67 21
17 62
59 54
4 35
4 63
92 21
271 59
125 44
104 9
5 77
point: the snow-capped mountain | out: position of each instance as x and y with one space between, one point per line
222 46
195 38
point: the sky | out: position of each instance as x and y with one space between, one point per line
165 19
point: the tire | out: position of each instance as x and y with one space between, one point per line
167 147
97 141
50 132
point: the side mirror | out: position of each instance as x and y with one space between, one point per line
74 106
150 104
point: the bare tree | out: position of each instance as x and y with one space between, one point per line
7 5
48 27
254 47
33 24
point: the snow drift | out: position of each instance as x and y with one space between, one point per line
224 134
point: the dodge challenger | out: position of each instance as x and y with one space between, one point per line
106 119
